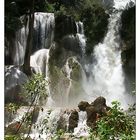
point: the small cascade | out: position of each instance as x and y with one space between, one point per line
46 124
68 71
82 129
39 61
43 35
81 36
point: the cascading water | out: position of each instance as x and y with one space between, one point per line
39 61
82 129
43 35
20 43
47 118
107 78
81 36
44 30
68 70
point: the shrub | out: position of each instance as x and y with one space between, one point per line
117 124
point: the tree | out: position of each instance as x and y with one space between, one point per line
26 65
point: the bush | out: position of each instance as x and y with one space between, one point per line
117 124
35 88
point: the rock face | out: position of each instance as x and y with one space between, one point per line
73 120
127 33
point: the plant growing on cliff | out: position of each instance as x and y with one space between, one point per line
117 124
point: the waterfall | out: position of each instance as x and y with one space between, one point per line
107 77
43 35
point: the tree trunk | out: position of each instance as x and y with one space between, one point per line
29 45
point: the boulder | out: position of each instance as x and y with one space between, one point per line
63 121
14 79
61 125
16 128
91 116
99 105
83 105
73 120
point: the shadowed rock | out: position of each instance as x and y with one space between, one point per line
83 105
100 105
73 120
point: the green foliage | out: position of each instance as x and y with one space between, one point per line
58 134
95 27
49 7
35 88
116 124
11 107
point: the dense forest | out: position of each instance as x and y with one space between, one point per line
70 70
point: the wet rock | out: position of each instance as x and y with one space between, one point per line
16 128
35 114
83 105
91 116
99 105
14 78
60 124
73 120
128 49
